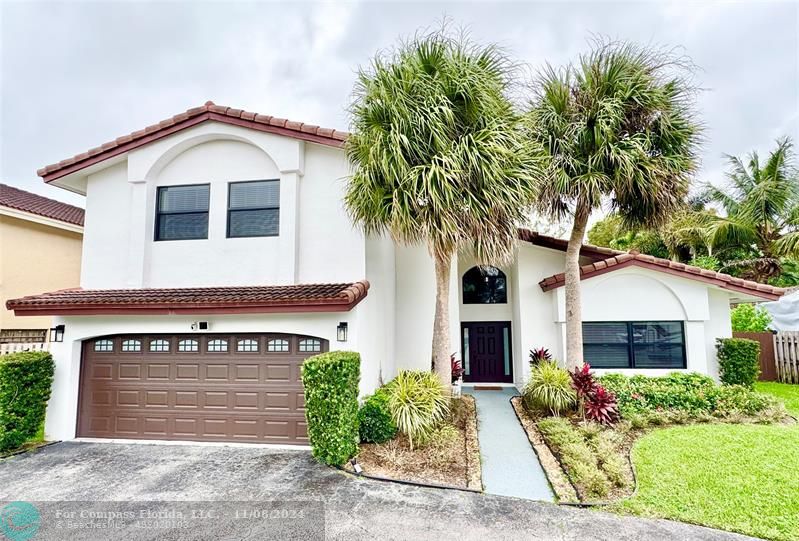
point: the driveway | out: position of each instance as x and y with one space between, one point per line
102 481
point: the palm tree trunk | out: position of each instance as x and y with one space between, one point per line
441 347
574 307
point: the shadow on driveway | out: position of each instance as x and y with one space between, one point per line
353 508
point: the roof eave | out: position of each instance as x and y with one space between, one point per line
548 284
55 172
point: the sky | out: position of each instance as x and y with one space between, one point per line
76 74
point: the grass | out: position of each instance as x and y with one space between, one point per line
784 391
741 478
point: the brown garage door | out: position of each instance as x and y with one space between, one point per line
210 387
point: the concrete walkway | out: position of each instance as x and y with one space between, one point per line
510 466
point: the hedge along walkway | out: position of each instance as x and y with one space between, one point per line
510 466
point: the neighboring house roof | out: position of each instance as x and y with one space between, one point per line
21 200
200 300
633 258
545 241
192 117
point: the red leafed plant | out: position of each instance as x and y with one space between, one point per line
457 368
539 355
583 380
600 406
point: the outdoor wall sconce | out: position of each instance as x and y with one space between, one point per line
57 333
341 332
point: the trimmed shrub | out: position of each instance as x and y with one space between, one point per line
681 398
374 419
26 379
550 387
331 404
749 318
739 361
418 402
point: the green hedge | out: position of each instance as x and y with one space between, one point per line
374 419
25 382
684 396
331 404
739 361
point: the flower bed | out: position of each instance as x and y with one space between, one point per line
594 454
449 456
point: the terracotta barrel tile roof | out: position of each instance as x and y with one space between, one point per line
200 300
192 117
41 206
545 241
633 258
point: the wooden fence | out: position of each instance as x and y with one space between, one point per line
14 347
768 368
786 356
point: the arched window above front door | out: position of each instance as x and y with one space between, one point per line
485 285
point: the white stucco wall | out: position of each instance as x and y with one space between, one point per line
635 294
316 243
62 409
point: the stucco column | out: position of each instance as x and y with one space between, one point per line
289 226
137 234
62 409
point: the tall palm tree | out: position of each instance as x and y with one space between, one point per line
439 158
618 126
762 211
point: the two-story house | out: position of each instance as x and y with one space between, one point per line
218 255
40 250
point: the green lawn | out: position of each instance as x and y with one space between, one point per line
784 391
741 478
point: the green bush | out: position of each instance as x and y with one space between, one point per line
749 318
26 379
681 398
418 402
550 387
739 361
331 404
374 419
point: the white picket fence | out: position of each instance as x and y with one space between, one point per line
786 356
5 349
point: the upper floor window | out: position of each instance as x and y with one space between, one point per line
485 285
182 212
253 208
634 344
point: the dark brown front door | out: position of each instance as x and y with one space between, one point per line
487 352
209 387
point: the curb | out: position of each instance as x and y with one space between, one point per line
30 450
406 482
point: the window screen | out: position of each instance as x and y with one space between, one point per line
182 212
254 208
645 344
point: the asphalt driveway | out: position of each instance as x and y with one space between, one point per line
136 492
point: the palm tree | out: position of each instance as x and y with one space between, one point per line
617 127
762 212
439 158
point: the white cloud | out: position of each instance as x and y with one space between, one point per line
76 74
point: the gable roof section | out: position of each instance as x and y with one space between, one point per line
633 258
192 117
198 300
32 203
587 250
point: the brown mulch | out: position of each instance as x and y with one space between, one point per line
453 462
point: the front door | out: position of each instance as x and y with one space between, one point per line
487 352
